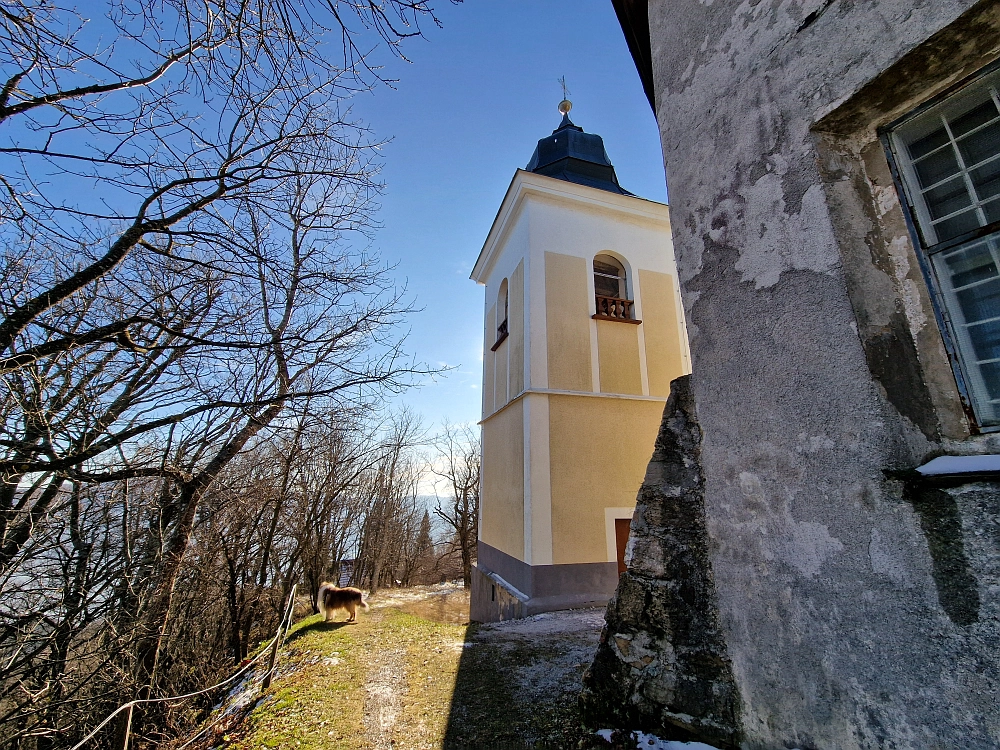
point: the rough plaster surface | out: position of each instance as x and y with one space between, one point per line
856 612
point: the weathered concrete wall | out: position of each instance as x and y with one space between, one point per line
856 612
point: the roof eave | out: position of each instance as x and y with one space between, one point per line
524 181
506 206
633 17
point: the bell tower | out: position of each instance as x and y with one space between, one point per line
583 333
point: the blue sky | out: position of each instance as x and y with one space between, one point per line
464 115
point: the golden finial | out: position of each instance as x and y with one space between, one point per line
565 105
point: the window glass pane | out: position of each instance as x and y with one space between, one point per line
956 225
609 277
968 265
981 145
971 120
986 179
986 339
980 301
991 379
923 146
992 211
970 284
609 269
936 167
949 159
606 286
948 198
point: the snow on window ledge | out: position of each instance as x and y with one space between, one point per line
952 465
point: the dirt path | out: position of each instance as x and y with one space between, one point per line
385 683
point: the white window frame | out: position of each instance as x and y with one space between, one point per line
931 252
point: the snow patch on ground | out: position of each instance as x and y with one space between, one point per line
652 742
551 651
395 597
570 621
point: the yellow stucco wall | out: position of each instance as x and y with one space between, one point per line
618 352
599 449
502 524
661 331
516 325
567 321
489 361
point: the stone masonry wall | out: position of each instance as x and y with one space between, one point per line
661 665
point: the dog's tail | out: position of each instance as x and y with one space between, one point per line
321 595
364 604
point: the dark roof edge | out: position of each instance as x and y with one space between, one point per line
633 16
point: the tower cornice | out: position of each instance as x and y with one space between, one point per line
526 184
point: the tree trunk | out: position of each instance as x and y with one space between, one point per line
154 620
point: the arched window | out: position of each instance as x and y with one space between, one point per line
504 301
611 289
503 305
609 277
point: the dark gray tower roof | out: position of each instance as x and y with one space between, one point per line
572 155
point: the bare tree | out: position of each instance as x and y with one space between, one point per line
177 288
126 169
423 564
391 521
458 463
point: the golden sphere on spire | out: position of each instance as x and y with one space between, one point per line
565 106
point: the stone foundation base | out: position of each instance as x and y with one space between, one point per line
505 588
493 599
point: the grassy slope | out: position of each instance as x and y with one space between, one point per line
318 702
319 699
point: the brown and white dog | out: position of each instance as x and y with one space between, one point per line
331 598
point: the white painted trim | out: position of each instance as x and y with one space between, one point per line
643 373
528 182
610 514
536 350
482 476
626 396
526 321
595 353
587 394
527 414
682 325
507 347
506 219
637 311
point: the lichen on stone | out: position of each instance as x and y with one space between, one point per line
662 665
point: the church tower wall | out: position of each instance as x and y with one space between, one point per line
568 412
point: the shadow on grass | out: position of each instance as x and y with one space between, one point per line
492 710
318 626
483 713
